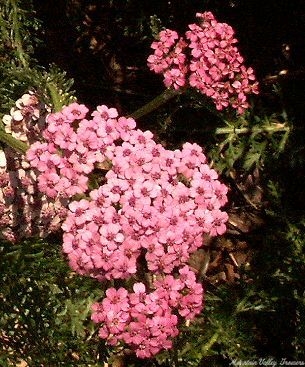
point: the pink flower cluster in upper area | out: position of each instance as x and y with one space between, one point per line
208 60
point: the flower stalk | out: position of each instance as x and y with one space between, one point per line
157 102
211 342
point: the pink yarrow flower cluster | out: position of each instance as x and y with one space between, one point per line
154 202
24 210
145 321
207 60
149 213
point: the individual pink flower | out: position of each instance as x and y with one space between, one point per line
116 322
48 161
104 113
175 78
47 183
79 210
78 184
65 137
168 36
116 299
217 222
75 111
124 266
140 138
125 126
139 294
34 152
114 189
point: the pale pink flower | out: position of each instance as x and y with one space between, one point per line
47 182
34 152
116 299
217 222
65 137
48 161
75 111
104 113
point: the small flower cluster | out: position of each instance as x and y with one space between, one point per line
72 146
213 64
26 120
148 212
147 321
24 211
169 58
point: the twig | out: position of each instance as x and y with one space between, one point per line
160 100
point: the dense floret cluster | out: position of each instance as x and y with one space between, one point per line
147 214
207 60
152 199
24 211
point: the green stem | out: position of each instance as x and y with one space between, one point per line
55 96
155 103
9 140
246 130
211 342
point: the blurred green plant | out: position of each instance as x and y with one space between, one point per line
19 71
44 307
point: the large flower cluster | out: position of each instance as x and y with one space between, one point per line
207 60
153 200
146 215
147 321
24 211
